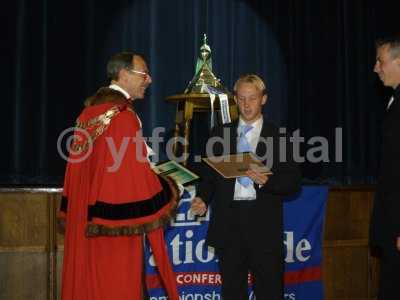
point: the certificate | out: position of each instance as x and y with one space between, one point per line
176 171
236 165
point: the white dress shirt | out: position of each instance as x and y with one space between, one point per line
390 102
119 89
246 193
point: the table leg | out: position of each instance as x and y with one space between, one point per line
176 135
234 111
186 145
188 118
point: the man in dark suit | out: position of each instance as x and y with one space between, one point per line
246 226
385 222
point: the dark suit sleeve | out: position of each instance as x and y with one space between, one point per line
206 187
390 165
286 178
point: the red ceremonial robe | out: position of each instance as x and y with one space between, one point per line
108 205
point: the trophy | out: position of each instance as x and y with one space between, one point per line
204 76
200 96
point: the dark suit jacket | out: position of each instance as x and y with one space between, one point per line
385 221
267 209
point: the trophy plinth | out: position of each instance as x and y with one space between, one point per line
186 105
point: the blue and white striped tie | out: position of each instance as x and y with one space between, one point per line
244 146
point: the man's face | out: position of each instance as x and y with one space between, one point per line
250 101
387 67
138 79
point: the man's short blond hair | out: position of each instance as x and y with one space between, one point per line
253 79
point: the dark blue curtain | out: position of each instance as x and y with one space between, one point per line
316 58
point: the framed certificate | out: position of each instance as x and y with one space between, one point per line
236 165
176 171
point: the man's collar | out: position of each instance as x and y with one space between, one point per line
396 96
116 87
256 124
397 92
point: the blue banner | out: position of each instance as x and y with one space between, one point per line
195 264
303 226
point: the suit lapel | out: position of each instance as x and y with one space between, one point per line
261 148
233 137
394 104
233 150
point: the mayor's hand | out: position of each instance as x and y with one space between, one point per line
198 207
398 243
257 177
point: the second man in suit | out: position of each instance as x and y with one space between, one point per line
385 220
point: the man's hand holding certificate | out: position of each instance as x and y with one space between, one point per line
258 176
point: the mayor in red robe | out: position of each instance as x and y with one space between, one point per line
112 197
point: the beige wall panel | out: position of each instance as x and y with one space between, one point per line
23 276
23 219
60 254
347 214
345 272
60 236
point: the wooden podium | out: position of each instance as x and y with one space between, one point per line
186 105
